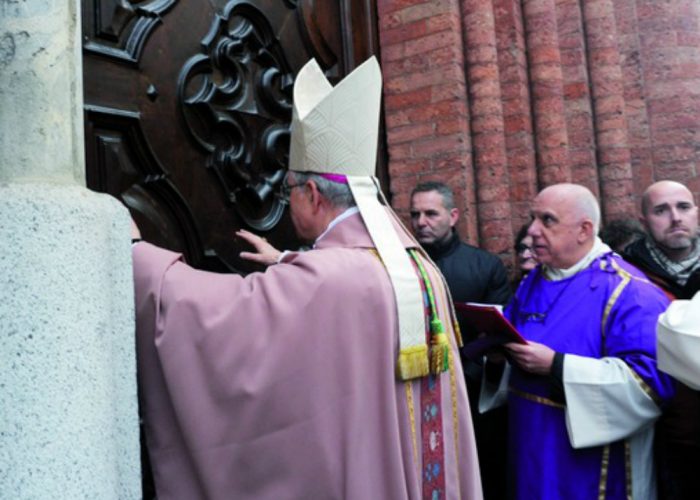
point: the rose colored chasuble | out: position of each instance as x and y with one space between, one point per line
282 384
606 311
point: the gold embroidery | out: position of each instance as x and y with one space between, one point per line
645 387
412 419
625 279
443 303
605 464
537 399
455 412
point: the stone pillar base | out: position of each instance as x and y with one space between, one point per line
68 402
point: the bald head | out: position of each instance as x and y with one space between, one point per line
661 188
670 217
579 200
565 221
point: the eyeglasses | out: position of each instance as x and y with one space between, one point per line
521 248
286 190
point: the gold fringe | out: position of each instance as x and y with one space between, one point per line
413 362
439 352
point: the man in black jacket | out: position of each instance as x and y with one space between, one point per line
472 275
670 257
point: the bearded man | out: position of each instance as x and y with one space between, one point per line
670 256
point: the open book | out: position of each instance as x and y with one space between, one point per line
485 319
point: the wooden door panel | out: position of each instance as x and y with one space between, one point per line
188 105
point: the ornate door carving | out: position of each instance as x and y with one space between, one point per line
188 105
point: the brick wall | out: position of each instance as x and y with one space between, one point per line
500 98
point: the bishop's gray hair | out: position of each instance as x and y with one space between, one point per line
339 195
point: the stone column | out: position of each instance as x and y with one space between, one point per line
68 406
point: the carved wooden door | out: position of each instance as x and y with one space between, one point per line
188 106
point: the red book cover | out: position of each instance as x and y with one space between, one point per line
485 319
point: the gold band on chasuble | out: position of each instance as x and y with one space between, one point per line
536 399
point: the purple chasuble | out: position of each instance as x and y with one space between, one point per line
608 309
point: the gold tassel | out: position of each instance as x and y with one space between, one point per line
439 347
413 362
439 354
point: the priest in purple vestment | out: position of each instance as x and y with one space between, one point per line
332 375
584 393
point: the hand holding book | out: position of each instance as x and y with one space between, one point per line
487 323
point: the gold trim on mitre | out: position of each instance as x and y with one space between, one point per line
335 131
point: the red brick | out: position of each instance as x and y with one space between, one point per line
575 90
391 52
512 73
489 157
673 121
479 72
514 90
557 156
485 106
413 82
609 104
410 10
436 110
405 32
450 125
553 138
430 42
679 153
550 121
515 107
581 138
686 39
449 91
407 99
448 21
547 90
675 170
408 167
485 88
517 123
614 155
438 145
613 121
488 123
410 133
400 151
615 137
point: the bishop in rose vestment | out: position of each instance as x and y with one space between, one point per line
332 375
282 385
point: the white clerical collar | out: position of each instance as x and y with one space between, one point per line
554 274
347 213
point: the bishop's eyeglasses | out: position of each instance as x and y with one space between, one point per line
286 190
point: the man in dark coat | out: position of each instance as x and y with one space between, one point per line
670 256
472 275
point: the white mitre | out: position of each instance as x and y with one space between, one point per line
678 341
335 131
